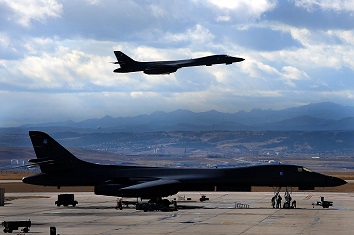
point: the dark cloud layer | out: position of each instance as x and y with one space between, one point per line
316 18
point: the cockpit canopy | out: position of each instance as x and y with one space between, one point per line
303 169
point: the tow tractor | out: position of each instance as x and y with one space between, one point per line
66 200
9 226
323 203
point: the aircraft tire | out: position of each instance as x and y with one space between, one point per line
152 207
138 206
286 205
145 207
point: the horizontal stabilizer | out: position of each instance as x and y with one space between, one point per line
39 160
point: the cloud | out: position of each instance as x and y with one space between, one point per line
198 34
64 69
256 69
24 12
327 5
293 73
4 41
250 9
223 18
319 15
264 38
158 11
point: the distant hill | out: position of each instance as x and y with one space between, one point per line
312 117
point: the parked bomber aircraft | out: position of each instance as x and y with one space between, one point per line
61 168
128 65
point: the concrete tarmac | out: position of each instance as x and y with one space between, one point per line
97 215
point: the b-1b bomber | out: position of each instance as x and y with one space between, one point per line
59 168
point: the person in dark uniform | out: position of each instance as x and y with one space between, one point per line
293 204
273 201
279 201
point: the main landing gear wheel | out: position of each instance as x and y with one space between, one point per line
286 205
158 204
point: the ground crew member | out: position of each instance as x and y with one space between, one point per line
119 204
273 201
279 201
293 204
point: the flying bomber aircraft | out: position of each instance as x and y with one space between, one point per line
128 65
61 168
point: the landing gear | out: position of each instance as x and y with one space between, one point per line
157 204
286 205
287 199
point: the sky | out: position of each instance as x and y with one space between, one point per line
55 56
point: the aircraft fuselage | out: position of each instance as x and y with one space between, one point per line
166 67
109 180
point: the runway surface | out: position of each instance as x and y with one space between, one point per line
97 215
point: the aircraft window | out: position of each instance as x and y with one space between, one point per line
299 169
308 170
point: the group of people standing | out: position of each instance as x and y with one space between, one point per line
276 201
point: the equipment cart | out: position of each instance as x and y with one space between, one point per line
9 226
66 200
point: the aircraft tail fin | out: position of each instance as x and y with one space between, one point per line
51 156
123 59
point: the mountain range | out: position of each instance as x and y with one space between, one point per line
312 117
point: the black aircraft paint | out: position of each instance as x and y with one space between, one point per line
128 65
61 168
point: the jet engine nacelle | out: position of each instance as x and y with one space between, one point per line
108 189
160 70
307 188
119 190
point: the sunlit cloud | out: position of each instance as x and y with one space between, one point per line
24 12
197 34
342 5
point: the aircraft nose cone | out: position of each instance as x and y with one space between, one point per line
334 181
26 180
239 59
